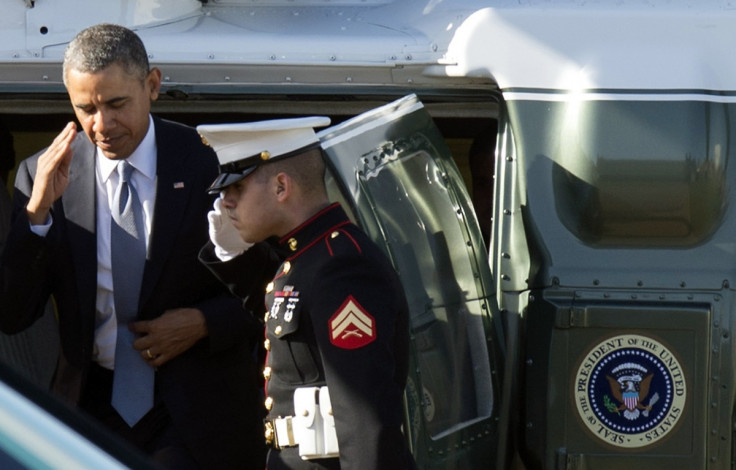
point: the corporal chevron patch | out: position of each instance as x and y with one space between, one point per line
351 327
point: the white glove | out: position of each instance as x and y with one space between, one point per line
224 235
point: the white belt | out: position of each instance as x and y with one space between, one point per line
313 429
283 432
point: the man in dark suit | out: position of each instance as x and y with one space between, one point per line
206 405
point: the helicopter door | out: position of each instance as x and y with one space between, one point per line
393 173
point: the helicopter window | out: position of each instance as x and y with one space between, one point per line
631 173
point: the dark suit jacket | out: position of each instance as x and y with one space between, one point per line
212 390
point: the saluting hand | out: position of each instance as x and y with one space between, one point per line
228 242
52 175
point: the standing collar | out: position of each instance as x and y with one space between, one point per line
315 228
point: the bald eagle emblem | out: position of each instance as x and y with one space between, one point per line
630 390
630 387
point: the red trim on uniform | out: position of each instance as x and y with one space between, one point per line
353 240
316 239
329 246
265 361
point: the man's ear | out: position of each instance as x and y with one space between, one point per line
153 83
282 186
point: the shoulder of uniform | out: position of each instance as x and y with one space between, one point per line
344 241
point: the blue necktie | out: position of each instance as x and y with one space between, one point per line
132 390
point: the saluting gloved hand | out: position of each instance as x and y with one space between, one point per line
224 235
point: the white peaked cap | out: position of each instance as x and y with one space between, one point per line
241 147
233 142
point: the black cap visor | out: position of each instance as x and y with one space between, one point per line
235 171
225 179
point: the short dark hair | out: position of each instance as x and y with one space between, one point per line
97 47
306 169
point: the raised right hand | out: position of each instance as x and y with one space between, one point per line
226 238
52 175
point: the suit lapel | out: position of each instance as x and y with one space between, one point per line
78 204
172 196
79 197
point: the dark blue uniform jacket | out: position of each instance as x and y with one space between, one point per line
335 315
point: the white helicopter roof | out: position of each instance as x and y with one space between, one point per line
574 45
513 44
218 36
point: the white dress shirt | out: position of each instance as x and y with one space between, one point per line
143 179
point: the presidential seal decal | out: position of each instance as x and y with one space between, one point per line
630 391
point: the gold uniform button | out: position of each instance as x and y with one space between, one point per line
267 344
267 373
277 330
268 403
292 244
265 317
334 234
269 287
287 267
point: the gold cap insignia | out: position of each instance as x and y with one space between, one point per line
265 155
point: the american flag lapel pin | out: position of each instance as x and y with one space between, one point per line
179 185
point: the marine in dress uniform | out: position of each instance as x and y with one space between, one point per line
336 319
